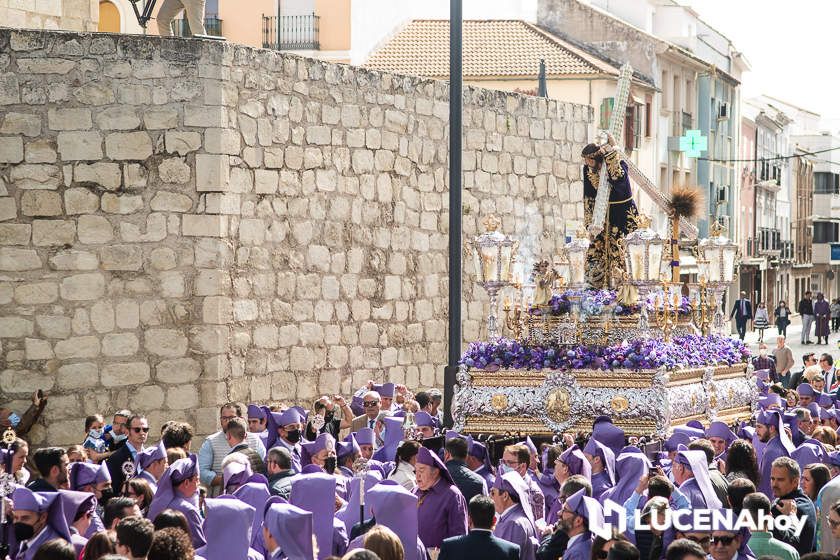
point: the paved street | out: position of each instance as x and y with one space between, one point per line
793 340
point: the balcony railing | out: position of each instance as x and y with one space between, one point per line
291 33
212 24
770 242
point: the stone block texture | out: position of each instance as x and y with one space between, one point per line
184 222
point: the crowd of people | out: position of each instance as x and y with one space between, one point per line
379 478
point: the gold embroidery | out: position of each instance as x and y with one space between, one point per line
614 168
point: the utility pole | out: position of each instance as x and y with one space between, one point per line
455 131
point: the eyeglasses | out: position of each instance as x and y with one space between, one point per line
226 418
368 404
723 541
138 430
702 541
511 463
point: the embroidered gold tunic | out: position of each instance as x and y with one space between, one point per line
606 251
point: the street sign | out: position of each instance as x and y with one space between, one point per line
693 143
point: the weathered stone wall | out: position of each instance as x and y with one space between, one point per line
74 15
186 222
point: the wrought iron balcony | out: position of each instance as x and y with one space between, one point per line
291 33
212 24
770 243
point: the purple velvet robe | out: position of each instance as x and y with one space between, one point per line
692 491
194 519
772 451
600 484
441 513
515 527
581 549
48 535
485 473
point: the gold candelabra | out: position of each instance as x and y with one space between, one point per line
703 313
667 314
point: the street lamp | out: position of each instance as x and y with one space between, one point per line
644 253
576 253
493 254
720 258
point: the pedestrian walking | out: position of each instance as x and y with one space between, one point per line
761 321
835 314
822 312
742 312
782 315
806 311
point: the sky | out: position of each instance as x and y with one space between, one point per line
791 46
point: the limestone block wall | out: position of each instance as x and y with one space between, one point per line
184 222
74 15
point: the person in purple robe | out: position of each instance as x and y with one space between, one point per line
317 451
609 434
396 508
822 314
38 517
426 424
548 484
391 438
315 493
228 524
809 451
630 467
441 509
770 431
78 509
349 514
96 479
479 461
237 472
284 429
515 521
602 461
721 437
257 422
288 533
366 438
691 474
570 463
806 394
151 463
178 490
575 517
347 452
255 494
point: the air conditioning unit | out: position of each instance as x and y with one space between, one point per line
723 111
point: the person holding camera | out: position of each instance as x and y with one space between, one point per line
322 419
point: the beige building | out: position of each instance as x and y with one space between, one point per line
506 54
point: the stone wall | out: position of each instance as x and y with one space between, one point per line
74 15
185 222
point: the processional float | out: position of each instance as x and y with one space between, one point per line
650 353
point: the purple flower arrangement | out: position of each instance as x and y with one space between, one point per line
680 352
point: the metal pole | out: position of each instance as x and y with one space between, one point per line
455 131
542 85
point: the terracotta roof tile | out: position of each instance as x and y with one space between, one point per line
491 48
